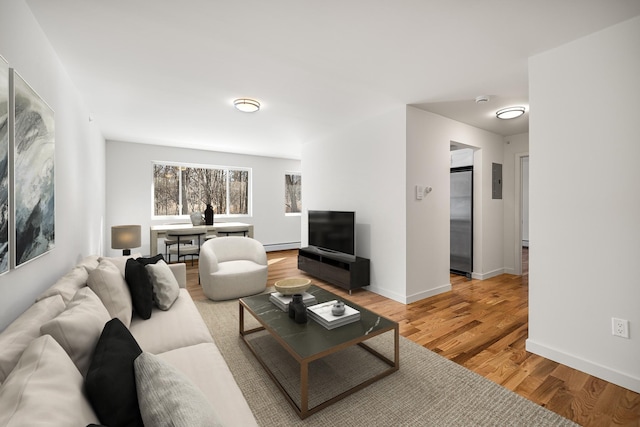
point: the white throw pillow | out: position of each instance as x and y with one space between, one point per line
25 329
89 263
45 389
165 286
78 328
167 398
67 285
120 261
109 284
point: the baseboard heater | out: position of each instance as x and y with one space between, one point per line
281 246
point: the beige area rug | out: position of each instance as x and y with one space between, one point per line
428 390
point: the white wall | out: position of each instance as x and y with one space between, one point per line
515 147
585 203
129 190
79 169
428 163
362 169
429 137
373 168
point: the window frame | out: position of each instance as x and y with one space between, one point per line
227 170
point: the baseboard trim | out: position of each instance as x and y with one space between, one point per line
408 299
613 376
489 275
428 293
281 246
385 293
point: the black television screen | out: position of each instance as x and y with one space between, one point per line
333 231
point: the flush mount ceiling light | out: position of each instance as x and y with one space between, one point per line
247 105
510 113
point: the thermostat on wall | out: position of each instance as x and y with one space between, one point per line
422 191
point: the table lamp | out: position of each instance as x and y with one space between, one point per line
125 237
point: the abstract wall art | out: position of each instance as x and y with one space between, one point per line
34 179
4 166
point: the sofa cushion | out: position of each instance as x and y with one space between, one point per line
45 388
110 382
119 261
165 285
17 336
67 285
167 398
78 328
89 263
109 284
179 270
179 327
205 367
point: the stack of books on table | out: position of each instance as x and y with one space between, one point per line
321 313
282 301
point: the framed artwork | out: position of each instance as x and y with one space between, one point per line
4 166
34 179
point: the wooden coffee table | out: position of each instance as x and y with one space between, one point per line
311 341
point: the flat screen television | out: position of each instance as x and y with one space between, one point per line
333 231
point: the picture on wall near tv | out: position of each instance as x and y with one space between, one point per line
4 166
34 183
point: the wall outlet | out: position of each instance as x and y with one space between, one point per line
620 327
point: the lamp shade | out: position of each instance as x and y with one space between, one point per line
125 236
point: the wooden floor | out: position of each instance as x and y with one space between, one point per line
483 325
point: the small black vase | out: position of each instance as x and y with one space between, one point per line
208 215
297 309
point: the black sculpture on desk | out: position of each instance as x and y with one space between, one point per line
208 215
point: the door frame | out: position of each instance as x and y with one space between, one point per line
517 244
472 170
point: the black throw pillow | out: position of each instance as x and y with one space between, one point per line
151 260
140 286
110 382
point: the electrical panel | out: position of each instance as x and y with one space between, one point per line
496 181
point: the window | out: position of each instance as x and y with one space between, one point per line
292 193
182 189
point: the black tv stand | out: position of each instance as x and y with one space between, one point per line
334 268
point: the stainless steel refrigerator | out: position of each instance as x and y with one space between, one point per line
461 239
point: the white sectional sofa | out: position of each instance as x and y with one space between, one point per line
49 355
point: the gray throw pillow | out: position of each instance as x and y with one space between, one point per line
167 398
165 286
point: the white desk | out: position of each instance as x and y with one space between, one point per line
160 231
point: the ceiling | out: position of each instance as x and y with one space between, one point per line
166 72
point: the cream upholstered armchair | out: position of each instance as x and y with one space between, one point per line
232 267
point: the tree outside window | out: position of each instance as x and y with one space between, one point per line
292 193
166 190
239 192
180 190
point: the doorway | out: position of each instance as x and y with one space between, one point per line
461 221
520 240
524 210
